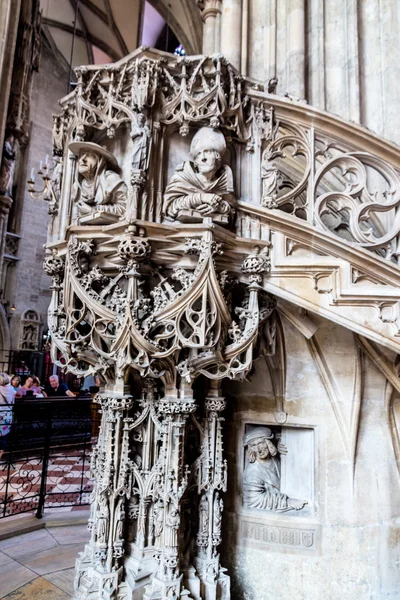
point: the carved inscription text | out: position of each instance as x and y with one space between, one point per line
302 539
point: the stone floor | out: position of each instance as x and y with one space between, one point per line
40 565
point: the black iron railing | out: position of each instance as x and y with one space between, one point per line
46 457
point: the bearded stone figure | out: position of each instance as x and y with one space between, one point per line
262 474
202 187
98 188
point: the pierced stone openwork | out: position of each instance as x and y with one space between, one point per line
184 198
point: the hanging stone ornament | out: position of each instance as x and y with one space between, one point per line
257 264
150 305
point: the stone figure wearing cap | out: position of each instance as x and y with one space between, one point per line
262 474
202 187
98 187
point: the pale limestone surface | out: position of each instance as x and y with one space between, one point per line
357 496
309 332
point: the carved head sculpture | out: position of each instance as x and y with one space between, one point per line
141 120
92 159
259 444
207 148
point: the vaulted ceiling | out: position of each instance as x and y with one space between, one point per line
107 30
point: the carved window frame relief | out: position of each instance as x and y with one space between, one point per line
310 509
30 322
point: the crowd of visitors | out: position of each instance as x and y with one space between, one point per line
11 389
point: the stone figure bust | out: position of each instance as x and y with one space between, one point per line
202 187
99 194
262 474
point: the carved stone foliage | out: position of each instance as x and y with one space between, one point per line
191 321
159 278
186 90
308 174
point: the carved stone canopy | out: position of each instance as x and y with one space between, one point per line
166 273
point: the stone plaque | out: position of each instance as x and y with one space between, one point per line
279 537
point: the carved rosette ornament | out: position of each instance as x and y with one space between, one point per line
151 290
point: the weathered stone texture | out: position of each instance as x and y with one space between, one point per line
357 497
31 284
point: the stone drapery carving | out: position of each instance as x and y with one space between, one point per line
270 179
154 304
140 134
262 475
203 187
98 188
343 190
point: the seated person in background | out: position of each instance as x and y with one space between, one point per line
37 390
26 388
55 388
15 382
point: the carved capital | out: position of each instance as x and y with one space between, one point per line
136 249
217 404
177 407
209 8
256 265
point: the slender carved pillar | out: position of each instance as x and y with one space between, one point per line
211 15
147 430
211 481
170 488
99 569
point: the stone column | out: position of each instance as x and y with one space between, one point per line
99 567
297 45
211 24
270 32
231 30
341 58
169 489
211 482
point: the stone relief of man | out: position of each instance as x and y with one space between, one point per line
262 474
140 134
98 187
202 187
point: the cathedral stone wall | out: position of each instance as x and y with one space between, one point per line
345 542
30 217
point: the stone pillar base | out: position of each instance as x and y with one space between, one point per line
92 584
139 565
163 590
215 583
